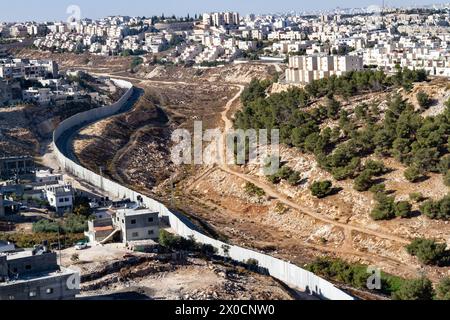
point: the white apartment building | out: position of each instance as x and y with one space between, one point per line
305 69
210 54
189 53
61 198
220 19
247 45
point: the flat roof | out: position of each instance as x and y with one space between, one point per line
16 158
39 277
19 255
136 212
46 173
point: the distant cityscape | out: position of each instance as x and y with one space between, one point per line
380 37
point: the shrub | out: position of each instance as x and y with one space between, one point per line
81 206
46 226
23 240
444 164
416 197
403 209
418 289
254 191
385 209
447 178
294 178
412 174
355 275
364 181
208 249
428 251
280 208
252 262
439 210
443 289
70 224
378 189
175 242
423 99
274 179
321 189
285 172
136 62
376 168
75 257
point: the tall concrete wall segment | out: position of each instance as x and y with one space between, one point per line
286 272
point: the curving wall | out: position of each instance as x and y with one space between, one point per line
286 272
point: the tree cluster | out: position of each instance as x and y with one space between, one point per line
428 251
321 189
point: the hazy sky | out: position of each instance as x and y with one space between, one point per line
21 10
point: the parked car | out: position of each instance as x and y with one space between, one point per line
81 246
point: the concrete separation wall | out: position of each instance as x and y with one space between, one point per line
286 272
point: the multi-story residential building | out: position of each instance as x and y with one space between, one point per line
221 19
60 197
18 31
125 225
137 224
305 69
27 69
36 275
189 53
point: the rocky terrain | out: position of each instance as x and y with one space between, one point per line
74 61
134 147
16 134
111 272
236 73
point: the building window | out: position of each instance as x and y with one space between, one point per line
135 234
49 291
150 220
28 267
133 221
32 294
151 232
